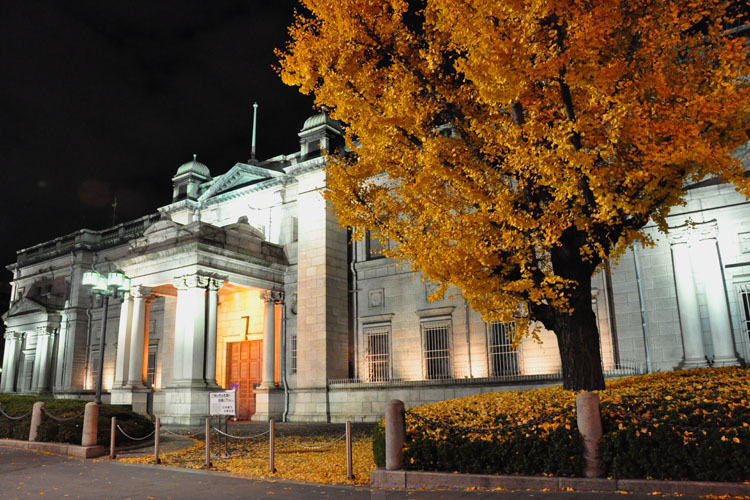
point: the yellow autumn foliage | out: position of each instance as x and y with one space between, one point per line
292 460
676 425
510 148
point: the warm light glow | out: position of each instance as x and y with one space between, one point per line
239 318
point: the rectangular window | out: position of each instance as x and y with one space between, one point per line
93 367
503 357
377 356
745 305
151 367
436 340
373 245
293 353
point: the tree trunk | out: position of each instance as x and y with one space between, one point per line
578 341
577 332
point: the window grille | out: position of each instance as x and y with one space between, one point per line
293 353
151 366
745 305
378 353
503 356
93 367
436 337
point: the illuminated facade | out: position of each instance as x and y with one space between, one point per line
245 281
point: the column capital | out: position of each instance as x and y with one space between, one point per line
215 283
189 281
679 235
14 335
706 231
272 296
46 330
139 291
692 233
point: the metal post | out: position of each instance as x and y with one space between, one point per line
156 442
349 465
112 438
271 447
226 438
208 443
105 306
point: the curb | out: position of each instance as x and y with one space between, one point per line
56 448
401 479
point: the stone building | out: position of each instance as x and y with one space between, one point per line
245 281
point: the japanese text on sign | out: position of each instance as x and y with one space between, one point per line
222 403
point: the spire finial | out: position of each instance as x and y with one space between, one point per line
255 116
195 157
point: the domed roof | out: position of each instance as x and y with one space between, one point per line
193 167
321 118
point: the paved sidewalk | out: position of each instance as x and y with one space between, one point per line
25 474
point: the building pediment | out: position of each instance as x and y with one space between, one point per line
23 307
25 314
240 175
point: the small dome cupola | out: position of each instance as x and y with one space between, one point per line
187 180
319 132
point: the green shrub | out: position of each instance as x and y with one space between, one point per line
532 451
69 432
378 443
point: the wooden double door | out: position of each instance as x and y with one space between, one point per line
245 365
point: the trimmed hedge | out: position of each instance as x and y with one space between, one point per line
378 443
678 425
69 432
695 424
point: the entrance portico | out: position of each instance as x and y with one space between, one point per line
193 269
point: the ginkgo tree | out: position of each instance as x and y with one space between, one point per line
510 147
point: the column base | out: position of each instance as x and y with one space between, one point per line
690 364
185 405
725 361
309 405
269 404
136 397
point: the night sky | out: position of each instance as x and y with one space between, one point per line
104 99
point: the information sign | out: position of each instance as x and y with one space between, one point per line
222 403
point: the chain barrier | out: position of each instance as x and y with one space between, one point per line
483 430
10 417
61 420
239 437
135 438
189 436
685 428
319 447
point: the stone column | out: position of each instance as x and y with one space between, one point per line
135 360
45 339
36 363
190 330
123 341
5 375
269 337
213 303
13 342
716 296
690 321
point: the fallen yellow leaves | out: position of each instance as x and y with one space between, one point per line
292 461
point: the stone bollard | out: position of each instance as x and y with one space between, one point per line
395 433
90 420
590 426
36 419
